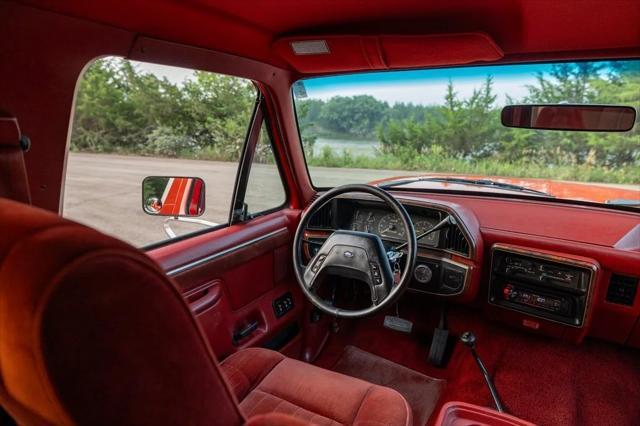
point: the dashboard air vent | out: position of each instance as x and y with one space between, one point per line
457 241
622 289
322 219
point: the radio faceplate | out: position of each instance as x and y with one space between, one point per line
541 285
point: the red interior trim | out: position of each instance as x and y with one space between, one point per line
358 52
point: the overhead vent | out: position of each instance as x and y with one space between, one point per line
622 289
322 219
456 241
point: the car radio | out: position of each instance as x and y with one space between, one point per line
535 299
540 285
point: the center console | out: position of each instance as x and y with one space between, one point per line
542 285
457 413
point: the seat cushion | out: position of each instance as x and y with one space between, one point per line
265 381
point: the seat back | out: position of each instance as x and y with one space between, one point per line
93 332
13 174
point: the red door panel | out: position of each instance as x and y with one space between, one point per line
231 277
256 276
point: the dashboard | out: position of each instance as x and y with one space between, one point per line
369 215
443 262
562 270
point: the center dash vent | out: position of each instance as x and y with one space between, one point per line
322 219
622 289
456 241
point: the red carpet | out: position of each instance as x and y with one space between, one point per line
541 380
421 392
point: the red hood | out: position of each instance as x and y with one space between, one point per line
595 192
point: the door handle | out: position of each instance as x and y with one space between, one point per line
204 297
244 332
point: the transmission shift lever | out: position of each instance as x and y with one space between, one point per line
469 340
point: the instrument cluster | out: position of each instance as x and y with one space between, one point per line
388 226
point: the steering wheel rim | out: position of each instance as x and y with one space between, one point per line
394 292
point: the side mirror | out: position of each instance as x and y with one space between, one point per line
594 118
173 196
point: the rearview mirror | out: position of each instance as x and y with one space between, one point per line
594 118
173 196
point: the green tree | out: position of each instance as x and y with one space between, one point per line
567 82
98 120
462 128
217 113
120 109
353 115
308 113
587 83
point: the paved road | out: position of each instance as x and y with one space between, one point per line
104 191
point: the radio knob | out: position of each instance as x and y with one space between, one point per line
422 274
509 292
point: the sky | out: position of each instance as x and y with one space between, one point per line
421 87
173 74
424 87
427 87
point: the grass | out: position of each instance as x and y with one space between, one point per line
442 164
485 167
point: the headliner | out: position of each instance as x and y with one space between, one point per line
525 30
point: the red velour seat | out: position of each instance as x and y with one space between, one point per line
266 381
93 332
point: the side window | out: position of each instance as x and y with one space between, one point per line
265 190
133 120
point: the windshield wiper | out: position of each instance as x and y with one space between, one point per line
463 181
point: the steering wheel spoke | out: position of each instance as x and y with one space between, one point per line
313 270
379 293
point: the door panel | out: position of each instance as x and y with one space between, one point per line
230 278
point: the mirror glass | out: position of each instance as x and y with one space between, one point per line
173 196
595 118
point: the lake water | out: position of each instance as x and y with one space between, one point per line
357 148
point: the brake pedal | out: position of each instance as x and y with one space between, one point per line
438 349
398 324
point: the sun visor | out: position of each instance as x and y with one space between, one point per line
318 54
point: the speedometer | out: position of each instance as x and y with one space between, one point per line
390 226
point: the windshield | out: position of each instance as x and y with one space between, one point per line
440 129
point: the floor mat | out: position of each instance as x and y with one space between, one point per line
540 379
421 392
